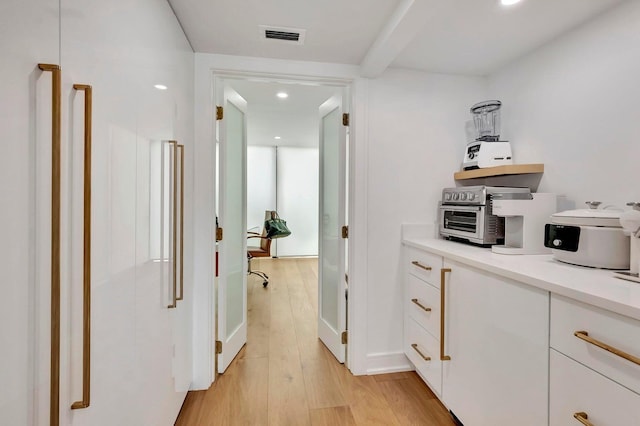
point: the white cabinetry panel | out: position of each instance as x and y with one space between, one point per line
578 389
29 34
498 341
622 333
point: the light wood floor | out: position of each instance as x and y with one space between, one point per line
285 376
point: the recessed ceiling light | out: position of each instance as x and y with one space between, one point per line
282 95
509 2
160 87
277 137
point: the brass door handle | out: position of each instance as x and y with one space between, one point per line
54 402
424 308
443 272
86 284
585 336
415 348
175 227
420 265
181 149
582 418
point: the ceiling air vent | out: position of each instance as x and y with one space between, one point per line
281 34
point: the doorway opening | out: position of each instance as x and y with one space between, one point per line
282 145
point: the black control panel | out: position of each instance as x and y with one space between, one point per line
562 237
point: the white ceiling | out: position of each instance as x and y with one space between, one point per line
295 119
473 37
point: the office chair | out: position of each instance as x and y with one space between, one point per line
263 250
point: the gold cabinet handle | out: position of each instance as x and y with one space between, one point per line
420 265
54 394
443 271
415 348
175 225
585 336
424 308
86 283
181 149
582 418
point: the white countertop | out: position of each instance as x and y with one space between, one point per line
593 286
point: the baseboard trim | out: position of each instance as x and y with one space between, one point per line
390 362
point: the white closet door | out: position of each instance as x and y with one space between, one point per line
29 34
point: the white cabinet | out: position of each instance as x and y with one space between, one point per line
29 34
594 364
422 316
576 390
496 340
140 349
496 333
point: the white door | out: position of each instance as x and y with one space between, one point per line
232 281
29 34
332 283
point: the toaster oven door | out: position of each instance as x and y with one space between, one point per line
463 222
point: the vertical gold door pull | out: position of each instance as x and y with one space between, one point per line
181 149
582 418
54 403
175 228
86 284
443 272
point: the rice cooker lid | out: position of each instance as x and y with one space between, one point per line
588 217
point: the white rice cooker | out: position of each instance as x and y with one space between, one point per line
588 237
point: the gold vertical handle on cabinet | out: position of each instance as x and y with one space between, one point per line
175 227
415 348
54 403
443 272
582 418
585 336
86 284
181 149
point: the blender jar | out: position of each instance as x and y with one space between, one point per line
486 117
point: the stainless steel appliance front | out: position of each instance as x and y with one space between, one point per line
465 214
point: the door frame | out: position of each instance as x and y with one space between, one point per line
208 77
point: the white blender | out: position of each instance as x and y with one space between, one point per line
487 150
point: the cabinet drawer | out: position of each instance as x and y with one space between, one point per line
427 346
615 331
424 265
422 296
576 389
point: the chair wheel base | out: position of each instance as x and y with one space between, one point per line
265 284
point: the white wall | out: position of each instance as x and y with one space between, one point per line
574 106
416 141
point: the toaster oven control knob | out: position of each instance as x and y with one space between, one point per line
471 196
463 196
447 196
456 196
557 242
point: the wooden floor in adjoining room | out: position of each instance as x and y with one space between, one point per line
285 375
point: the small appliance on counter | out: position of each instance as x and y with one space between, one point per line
466 214
525 219
487 150
630 221
590 237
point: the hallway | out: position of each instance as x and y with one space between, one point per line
285 376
